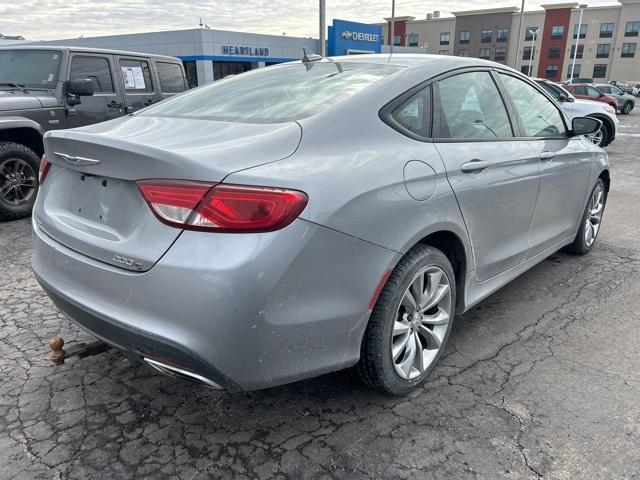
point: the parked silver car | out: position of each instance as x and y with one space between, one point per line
626 101
317 215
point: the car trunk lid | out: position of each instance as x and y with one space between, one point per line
90 201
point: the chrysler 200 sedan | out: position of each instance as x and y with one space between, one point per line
308 217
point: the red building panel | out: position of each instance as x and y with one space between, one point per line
553 17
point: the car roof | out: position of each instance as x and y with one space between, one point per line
87 50
431 64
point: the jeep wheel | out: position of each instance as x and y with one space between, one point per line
18 180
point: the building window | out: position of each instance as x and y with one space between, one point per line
192 73
485 53
503 35
463 52
485 36
557 32
603 50
628 50
528 53
580 51
525 69
413 39
443 52
396 41
551 71
632 29
606 30
554 52
500 54
222 69
528 35
582 28
576 71
464 37
599 70
445 38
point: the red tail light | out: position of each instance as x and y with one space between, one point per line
45 165
222 208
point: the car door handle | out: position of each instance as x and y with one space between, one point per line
114 104
547 155
474 166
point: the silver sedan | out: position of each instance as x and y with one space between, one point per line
308 217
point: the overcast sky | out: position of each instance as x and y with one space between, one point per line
57 19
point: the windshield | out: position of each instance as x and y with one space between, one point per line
275 94
29 68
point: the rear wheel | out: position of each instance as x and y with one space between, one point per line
410 323
591 221
628 106
18 180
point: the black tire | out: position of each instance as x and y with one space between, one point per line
11 206
579 245
606 135
627 107
375 367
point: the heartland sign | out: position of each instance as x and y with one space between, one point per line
361 36
248 51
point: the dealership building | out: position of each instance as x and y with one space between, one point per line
210 54
606 39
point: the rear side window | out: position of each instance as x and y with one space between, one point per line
95 68
171 77
414 114
539 116
136 76
275 94
471 108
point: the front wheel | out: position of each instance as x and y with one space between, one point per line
590 222
18 180
627 108
410 323
602 137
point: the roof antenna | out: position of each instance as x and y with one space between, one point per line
308 56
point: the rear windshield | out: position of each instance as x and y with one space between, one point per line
29 68
275 94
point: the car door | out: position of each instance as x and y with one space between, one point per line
580 91
564 163
171 78
494 176
137 83
106 102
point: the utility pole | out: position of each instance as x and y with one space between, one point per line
323 30
534 34
515 65
393 26
575 52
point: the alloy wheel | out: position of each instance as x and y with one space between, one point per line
421 322
594 216
627 107
596 138
17 181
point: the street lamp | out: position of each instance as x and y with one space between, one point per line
534 34
323 41
575 52
393 26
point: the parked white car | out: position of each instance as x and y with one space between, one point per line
576 107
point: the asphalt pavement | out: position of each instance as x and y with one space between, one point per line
541 380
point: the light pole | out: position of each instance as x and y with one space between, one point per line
393 26
575 52
519 34
534 34
323 40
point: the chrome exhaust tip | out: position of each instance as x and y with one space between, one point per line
180 373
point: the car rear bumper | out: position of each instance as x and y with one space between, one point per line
241 311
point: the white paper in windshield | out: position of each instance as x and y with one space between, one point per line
133 78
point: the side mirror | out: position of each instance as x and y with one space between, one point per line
81 87
562 98
585 126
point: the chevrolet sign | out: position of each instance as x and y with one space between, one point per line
360 36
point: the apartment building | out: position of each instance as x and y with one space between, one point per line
604 44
